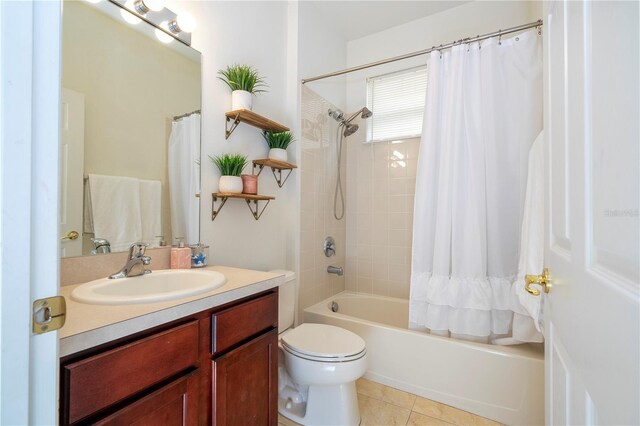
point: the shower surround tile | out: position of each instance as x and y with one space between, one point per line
380 192
318 170
374 237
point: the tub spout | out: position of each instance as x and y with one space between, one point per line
335 270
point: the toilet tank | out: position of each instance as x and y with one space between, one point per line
286 300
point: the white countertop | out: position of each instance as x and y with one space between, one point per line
91 325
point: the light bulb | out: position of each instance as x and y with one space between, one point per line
129 16
155 5
162 36
186 22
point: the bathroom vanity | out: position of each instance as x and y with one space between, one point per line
177 364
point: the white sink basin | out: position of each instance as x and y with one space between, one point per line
162 285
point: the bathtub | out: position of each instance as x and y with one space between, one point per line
503 383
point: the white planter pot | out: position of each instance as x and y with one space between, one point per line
241 99
230 184
278 154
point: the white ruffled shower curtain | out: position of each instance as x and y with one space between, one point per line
483 111
184 178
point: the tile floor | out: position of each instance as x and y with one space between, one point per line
382 405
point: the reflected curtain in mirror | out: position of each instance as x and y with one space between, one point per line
184 177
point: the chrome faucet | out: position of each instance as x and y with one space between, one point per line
135 263
335 270
100 245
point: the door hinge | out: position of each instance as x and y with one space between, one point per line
49 314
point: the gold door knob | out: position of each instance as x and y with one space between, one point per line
543 280
72 235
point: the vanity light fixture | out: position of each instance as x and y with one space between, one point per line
128 15
168 24
185 22
144 6
163 36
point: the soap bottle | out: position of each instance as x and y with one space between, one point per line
180 256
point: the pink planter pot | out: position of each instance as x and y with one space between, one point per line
249 184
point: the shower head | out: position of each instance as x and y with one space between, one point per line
364 113
336 114
350 129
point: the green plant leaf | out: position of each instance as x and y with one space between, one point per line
242 77
230 164
278 139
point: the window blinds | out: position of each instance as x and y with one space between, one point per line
397 101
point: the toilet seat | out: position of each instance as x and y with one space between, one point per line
323 343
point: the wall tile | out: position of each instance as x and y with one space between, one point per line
364 284
380 193
318 173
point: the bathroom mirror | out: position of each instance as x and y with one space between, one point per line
130 133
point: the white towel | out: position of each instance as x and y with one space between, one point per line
115 209
151 211
527 322
88 210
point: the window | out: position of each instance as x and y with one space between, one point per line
397 101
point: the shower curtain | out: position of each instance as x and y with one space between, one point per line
184 178
483 111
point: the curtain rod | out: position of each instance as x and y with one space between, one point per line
178 117
498 33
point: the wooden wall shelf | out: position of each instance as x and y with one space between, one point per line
276 167
253 119
223 196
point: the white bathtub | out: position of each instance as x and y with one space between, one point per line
504 383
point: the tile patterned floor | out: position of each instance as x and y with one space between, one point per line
382 405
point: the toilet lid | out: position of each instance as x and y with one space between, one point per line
323 341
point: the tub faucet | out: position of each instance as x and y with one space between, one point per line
135 263
335 270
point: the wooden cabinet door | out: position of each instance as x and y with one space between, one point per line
175 404
245 384
108 378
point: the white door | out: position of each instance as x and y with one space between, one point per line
592 314
29 148
71 172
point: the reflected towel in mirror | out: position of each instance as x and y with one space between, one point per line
123 210
150 208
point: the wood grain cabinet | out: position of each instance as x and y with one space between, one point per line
244 368
216 367
175 404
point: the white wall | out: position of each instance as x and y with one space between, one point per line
254 33
322 49
285 41
469 19
380 187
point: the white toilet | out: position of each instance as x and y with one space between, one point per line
318 365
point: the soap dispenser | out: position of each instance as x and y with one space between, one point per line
180 255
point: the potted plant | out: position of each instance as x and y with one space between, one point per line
230 166
244 81
278 143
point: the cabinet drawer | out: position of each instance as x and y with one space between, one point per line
237 323
101 380
175 404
